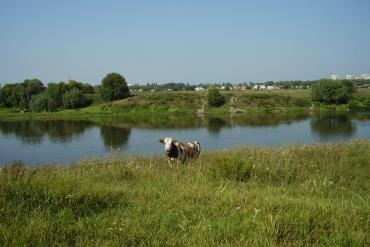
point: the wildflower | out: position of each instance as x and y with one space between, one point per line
256 211
331 182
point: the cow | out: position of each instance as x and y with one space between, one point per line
177 151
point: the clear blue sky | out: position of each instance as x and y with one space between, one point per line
183 41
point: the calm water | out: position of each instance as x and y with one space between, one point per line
64 141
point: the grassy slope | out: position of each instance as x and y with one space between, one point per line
192 101
300 195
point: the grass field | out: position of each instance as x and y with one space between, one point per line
291 196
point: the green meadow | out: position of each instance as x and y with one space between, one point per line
249 196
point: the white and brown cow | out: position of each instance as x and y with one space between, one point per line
177 151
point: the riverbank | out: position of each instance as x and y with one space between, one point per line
191 103
298 195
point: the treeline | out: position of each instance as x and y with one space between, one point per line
32 95
160 87
307 84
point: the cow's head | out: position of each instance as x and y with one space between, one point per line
169 146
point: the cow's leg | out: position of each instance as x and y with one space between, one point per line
170 162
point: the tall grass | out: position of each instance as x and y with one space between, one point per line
297 195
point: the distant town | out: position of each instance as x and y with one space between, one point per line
351 77
362 81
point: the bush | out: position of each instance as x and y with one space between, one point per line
332 92
39 103
214 97
360 104
74 99
114 87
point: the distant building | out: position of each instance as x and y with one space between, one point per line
334 77
350 77
365 76
262 87
270 87
199 89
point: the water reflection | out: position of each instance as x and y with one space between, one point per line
332 125
114 137
115 131
34 131
215 124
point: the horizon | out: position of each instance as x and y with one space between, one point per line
184 42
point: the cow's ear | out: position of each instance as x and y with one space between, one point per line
161 141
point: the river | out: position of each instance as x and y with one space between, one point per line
63 141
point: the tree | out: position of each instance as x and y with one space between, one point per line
6 95
38 103
214 97
74 99
114 87
87 88
332 91
30 88
54 93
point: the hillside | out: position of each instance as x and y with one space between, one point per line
192 102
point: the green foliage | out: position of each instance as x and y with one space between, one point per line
87 88
74 99
332 91
114 87
54 93
39 103
6 93
19 94
214 97
232 167
359 104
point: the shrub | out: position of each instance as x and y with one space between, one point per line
214 97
